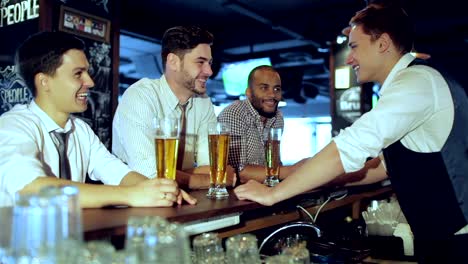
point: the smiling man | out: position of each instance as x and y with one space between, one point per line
417 136
41 144
247 120
186 57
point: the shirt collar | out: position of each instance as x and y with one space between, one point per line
171 98
404 61
48 122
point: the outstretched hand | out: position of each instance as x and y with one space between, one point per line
255 191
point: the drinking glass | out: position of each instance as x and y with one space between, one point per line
46 226
242 249
166 141
98 252
299 253
272 139
208 249
218 142
280 259
6 206
154 240
67 201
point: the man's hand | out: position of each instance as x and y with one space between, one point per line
231 178
183 196
157 193
255 191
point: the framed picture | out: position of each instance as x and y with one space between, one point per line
83 24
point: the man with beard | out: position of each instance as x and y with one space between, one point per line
42 144
186 58
247 120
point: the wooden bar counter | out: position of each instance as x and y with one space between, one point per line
107 222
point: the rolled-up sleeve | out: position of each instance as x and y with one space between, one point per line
403 107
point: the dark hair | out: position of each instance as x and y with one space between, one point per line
377 19
180 40
261 67
42 53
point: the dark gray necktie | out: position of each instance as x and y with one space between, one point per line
62 151
183 129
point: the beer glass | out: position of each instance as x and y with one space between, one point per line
218 142
166 143
271 139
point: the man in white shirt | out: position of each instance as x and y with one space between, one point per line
418 130
186 57
55 67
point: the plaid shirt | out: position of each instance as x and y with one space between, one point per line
246 146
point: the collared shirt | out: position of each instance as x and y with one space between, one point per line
132 137
246 146
28 150
415 107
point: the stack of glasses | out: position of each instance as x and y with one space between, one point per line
46 228
155 240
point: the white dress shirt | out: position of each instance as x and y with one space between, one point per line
132 128
28 150
415 106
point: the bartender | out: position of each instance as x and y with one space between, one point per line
417 136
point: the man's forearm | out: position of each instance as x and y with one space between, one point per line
90 195
252 172
132 178
315 172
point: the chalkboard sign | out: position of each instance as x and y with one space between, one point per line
18 20
99 54
99 112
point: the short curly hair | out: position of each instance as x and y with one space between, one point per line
180 40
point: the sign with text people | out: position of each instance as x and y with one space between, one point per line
18 20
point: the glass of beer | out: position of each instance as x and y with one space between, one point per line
166 143
218 142
271 139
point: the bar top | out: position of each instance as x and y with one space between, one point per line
113 220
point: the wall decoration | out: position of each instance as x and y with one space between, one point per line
13 90
103 3
83 24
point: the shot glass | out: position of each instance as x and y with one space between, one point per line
299 253
242 249
208 249
218 142
154 240
272 139
166 142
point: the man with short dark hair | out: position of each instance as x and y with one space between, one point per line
417 134
186 56
41 144
249 118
